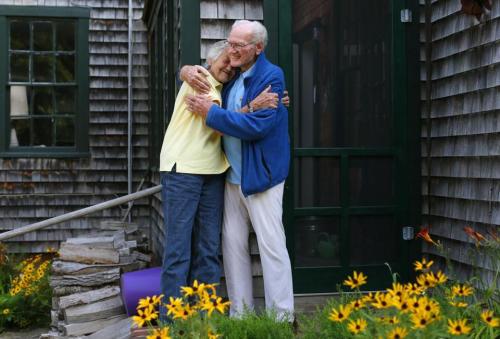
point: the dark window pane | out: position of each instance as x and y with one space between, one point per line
43 100
20 132
65 100
371 181
342 59
65 36
19 67
42 36
65 132
373 240
317 182
19 35
42 68
65 68
19 101
317 242
42 132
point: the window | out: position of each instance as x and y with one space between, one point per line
43 81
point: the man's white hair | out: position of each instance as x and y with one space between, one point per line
259 32
215 51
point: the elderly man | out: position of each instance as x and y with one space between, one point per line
257 147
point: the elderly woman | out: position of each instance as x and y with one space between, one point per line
193 166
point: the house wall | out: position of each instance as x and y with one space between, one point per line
461 129
35 189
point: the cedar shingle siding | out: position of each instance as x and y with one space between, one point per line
35 189
461 159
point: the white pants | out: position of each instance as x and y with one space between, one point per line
264 211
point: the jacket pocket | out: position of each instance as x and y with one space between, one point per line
266 167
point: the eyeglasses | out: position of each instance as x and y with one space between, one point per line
237 46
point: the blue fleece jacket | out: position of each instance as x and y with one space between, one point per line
264 133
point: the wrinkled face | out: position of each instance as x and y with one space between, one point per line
221 68
242 50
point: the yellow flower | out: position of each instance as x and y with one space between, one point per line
441 278
391 321
141 317
488 318
159 333
357 304
398 333
197 288
212 335
6 311
429 305
458 304
174 305
403 305
420 319
382 300
356 280
458 327
183 312
357 326
214 303
397 290
156 299
144 303
370 297
426 280
461 290
341 314
423 265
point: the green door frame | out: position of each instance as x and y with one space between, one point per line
278 16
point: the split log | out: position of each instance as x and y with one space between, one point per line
141 256
88 255
118 330
98 310
65 290
93 279
67 267
95 242
88 297
91 326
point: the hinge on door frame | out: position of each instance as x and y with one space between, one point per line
408 232
406 15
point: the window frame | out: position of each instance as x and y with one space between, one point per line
81 17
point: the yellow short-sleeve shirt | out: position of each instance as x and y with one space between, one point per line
189 144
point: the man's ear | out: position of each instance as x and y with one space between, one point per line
260 47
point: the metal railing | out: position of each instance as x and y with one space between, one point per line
79 213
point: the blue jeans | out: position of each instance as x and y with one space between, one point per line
192 210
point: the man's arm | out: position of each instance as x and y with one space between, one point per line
195 76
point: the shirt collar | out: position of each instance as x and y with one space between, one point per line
249 72
214 81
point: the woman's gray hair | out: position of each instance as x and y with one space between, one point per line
215 51
259 32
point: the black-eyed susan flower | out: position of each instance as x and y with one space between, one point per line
397 333
174 305
341 314
429 305
402 304
214 303
6 311
357 326
423 265
414 289
426 280
397 290
489 319
439 277
460 304
183 312
212 335
357 304
196 289
160 333
460 290
141 318
370 297
156 299
458 327
420 319
391 320
144 303
382 300
356 281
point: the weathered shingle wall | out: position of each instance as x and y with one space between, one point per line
34 189
461 159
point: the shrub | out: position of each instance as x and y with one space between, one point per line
24 291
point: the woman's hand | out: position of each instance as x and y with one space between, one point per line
266 99
196 77
198 104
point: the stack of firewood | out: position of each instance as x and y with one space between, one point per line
86 283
